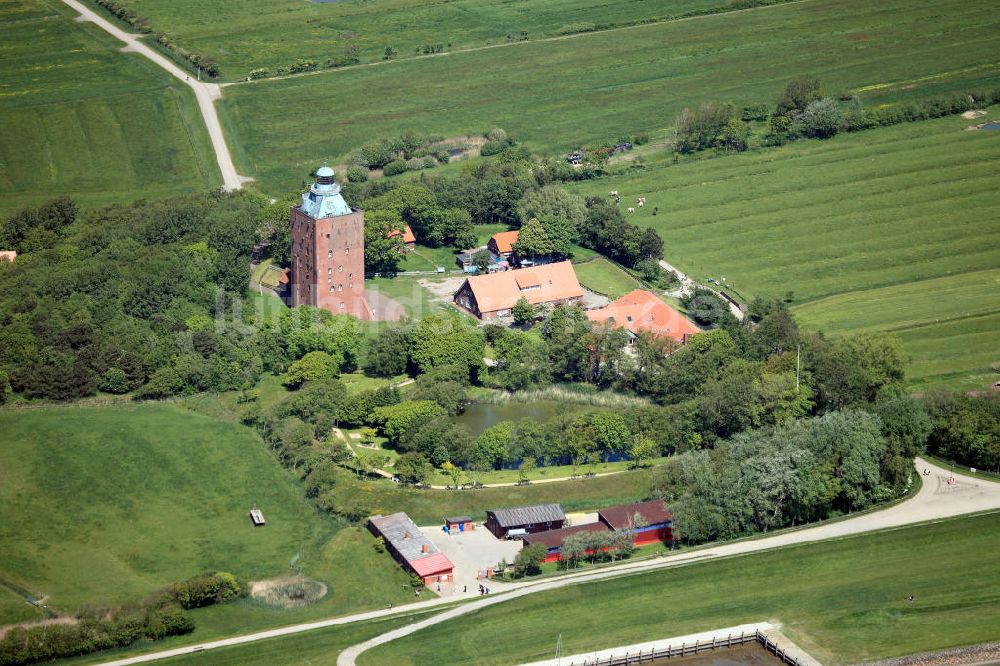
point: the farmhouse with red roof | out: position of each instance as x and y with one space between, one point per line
642 311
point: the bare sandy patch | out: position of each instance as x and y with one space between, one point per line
288 592
442 290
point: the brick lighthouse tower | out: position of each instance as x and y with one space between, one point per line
328 250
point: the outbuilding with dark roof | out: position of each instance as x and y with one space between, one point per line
524 520
649 521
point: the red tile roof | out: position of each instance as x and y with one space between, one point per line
622 516
432 564
505 240
642 311
408 236
538 284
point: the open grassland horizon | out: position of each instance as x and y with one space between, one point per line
555 96
268 34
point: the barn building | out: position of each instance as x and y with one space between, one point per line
495 295
502 244
553 539
411 548
328 250
518 521
649 522
641 310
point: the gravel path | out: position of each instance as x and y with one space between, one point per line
205 93
936 500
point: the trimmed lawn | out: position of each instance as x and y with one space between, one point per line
605 278
137 497
82 119
554 96
407 291
841 600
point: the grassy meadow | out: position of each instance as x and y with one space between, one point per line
892 229
622 82
104 505
603 277
842 600
81 118
248 34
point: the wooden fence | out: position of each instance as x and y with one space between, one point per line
688 649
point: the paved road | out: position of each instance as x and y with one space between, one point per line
205 93
936 500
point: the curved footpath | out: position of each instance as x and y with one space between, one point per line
936 500
205 93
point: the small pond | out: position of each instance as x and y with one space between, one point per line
479 416
992 125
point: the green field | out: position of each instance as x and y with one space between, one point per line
247 34
842 600
102 506
891 229
950 326
81 118
603 277
622 82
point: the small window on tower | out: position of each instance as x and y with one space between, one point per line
347 250
342 305
329 254
329 270
331 287
328 235
340 269
340 287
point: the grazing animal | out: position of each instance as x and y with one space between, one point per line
641 203
613 193
631 210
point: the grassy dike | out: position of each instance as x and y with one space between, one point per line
842 600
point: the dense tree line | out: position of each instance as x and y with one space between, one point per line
965 429
796 472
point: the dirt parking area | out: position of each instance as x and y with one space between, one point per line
471 553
